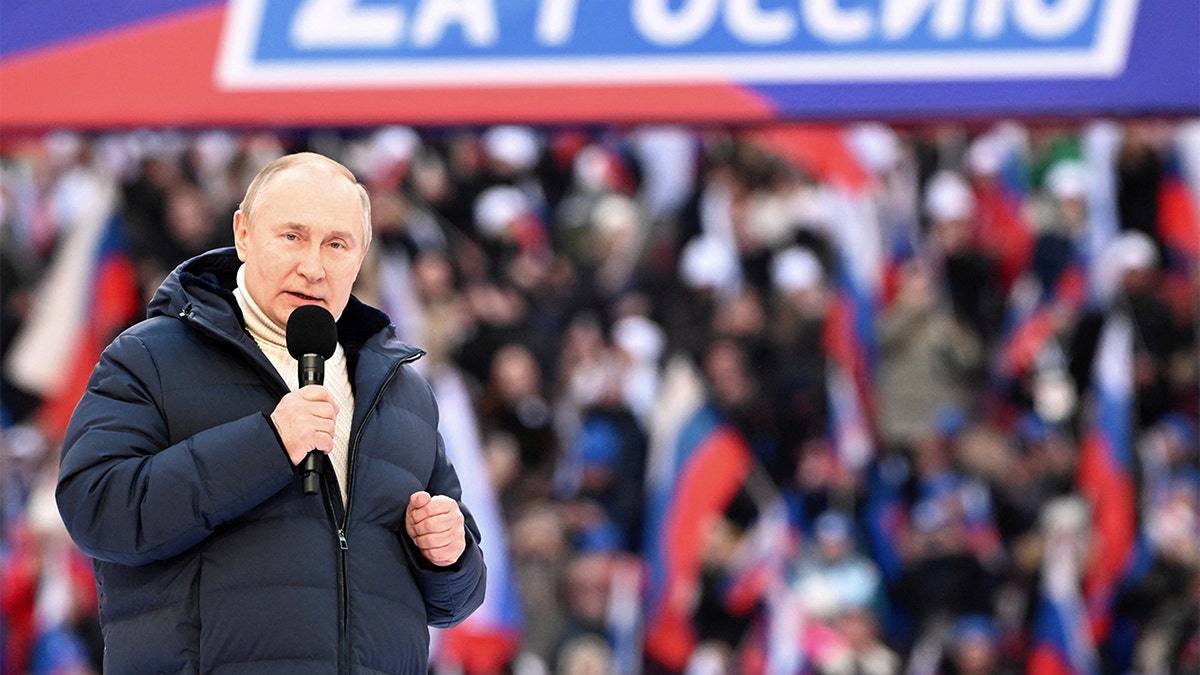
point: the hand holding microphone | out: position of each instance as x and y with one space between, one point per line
305 418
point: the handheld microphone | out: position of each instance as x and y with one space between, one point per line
311 338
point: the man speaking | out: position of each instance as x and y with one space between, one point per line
180 470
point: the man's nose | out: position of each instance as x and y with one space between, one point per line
312 265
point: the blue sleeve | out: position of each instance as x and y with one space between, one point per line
130 496
450 593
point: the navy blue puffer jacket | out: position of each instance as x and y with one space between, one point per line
209 557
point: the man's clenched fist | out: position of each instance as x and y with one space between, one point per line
437 527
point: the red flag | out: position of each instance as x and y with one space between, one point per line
89 294
1178 220
115 304
713 461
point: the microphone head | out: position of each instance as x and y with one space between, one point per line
311 330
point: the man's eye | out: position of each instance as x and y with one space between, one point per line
290 236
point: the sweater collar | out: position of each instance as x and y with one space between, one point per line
259 325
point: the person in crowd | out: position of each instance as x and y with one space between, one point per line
1129 286
515 404
969 276
861 649
540 554
1161 599
585 595
974 647
178 472
1059 248
929 359
612 257
797 331
942 579
834 575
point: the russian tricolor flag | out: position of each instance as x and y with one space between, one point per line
1062 643
759 580
692 480
1105 475
1178 216
90 294
1032 327
849 334
1003 228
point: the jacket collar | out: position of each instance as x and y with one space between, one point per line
201 290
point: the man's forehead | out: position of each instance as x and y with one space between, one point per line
298 190
311 170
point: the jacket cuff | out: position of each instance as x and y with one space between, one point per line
279 440
424 565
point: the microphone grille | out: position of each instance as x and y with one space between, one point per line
311 330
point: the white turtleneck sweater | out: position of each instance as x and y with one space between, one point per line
272 340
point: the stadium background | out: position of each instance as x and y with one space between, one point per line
889 365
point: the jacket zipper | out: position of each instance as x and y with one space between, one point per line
336 509
344 610
340 528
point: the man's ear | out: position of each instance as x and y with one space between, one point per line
241 231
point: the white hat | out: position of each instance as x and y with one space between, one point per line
513 145
812 207
985 156
988 154
948 197
707 263
1067 179
874 145
796 269
395 143
377 157
1130 250
593 169
614 213
497 207
639 337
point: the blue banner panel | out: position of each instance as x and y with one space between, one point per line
337 61
336 42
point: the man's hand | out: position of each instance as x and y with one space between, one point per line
304 420
437 527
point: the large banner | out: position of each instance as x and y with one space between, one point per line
340 62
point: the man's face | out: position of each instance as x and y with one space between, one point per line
304 243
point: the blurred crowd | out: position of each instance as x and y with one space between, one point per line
795 399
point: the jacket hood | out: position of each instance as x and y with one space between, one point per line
202 290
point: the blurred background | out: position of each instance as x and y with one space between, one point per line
769 337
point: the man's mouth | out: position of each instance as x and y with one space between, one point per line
304 297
